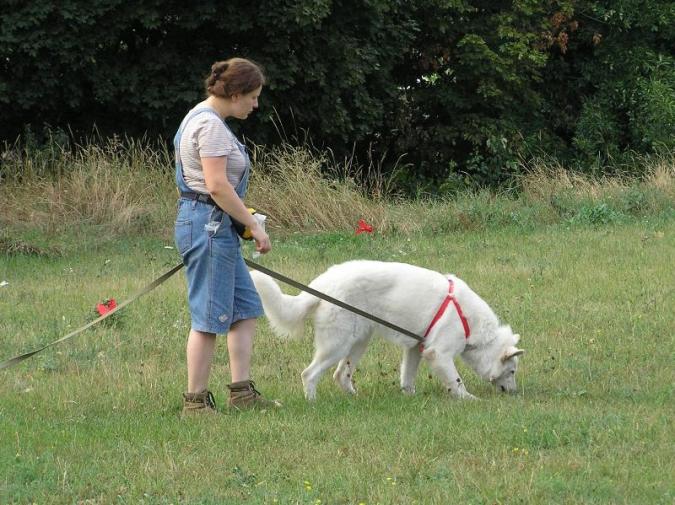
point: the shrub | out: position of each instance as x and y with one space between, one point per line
462 89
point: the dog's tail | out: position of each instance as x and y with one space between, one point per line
285 313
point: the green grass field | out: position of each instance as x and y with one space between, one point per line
95 420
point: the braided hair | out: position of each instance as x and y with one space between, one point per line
232 77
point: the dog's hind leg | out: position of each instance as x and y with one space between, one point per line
329 350
312 374
409 366
345 369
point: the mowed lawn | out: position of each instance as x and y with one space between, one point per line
95 420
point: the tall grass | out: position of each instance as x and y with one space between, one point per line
121 186
289 184
563 192
124 186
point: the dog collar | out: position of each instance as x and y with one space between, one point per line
450 297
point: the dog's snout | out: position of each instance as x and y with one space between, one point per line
503 389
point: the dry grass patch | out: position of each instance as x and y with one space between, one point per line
288 185
565 194
127 187
120 186
661 175
545 181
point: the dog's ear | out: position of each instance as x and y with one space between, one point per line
517 337
511 352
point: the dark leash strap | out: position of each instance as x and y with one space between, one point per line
330 299
287 280
145 290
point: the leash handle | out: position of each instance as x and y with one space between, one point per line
330 299
21 357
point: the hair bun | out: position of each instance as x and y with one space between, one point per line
233 76
218 68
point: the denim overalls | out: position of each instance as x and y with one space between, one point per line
220 289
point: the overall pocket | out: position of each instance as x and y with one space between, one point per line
219 228
215 222
183 236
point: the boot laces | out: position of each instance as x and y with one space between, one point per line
255 391
210 401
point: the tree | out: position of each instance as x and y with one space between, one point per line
462 88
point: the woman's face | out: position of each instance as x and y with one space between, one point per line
245 104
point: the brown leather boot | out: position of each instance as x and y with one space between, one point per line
198 403
244 395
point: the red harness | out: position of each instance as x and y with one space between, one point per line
450 297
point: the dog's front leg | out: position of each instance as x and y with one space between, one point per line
409 365
444 366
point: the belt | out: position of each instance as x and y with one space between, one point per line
200 197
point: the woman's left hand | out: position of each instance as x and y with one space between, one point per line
262 240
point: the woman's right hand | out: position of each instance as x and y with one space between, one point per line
262 240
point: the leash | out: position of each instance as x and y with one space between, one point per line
335 301
18 359
287 280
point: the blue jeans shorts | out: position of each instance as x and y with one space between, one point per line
220 289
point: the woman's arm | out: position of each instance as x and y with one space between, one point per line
220 189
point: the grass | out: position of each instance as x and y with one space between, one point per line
95 420
580 267
126 187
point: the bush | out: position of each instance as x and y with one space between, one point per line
599 213
463 90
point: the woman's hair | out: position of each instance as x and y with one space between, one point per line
233 76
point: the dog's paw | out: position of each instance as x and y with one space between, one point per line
463 395
408 390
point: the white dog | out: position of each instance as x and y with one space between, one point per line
409 297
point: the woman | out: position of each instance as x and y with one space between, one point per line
212 172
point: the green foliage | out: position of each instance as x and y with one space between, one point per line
652 119
621 60
599 213
464 90
480 60
597 132
137 67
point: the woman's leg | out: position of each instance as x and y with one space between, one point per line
200 350
240 348
243 394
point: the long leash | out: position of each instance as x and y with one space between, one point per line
18 359
161 279
334 301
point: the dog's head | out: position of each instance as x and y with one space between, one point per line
503 373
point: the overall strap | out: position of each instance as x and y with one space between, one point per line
180 181
242 186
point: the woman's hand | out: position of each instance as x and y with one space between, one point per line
220 189
262 240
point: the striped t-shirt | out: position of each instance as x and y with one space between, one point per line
205 136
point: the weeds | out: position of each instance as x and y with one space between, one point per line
125 186
14 246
